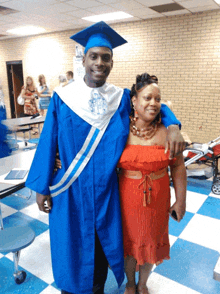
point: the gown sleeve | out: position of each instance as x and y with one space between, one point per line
41 172
167 117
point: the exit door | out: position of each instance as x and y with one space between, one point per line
15 83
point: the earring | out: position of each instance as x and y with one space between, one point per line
135 115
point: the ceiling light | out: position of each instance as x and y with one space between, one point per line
108 16
27 30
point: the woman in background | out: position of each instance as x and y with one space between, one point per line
29 93
144 186
44 94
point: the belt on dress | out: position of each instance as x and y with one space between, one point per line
147 181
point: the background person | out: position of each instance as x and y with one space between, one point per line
44 94
69 76
29 93
144 186
62 80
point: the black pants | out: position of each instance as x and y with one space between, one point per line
100 270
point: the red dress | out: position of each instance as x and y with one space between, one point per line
145 228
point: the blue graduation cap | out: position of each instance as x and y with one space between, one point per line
98 35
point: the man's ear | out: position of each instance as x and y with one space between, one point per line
112 64
83 61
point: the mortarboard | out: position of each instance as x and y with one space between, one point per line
98 35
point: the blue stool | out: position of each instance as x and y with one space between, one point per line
13 240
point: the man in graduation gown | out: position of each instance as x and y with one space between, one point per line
87 123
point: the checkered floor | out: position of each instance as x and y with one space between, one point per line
195 246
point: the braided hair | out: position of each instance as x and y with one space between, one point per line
141 81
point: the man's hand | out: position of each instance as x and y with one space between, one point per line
41 202
180 208
174 141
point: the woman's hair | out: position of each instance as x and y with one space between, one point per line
26 81
141 81
40 77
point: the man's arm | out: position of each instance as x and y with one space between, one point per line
168 117
174 140
41 172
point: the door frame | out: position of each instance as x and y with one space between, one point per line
15 83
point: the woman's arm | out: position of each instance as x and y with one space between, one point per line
23 94
178 173
40 93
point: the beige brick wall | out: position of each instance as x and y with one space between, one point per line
183 51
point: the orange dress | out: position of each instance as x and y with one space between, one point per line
145 228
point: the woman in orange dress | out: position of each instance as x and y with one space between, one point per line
144 186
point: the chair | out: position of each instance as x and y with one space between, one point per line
14 239
25 145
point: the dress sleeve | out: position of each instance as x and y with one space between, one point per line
41 172
167 117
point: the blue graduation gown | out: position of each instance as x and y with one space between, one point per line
91 202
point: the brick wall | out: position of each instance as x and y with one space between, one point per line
182 51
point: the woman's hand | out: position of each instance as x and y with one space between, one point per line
180 208
58 164
174 141
44 202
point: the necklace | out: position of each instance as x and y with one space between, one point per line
145 133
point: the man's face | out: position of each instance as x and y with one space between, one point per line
98 64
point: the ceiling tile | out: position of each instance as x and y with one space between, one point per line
62 17
4 1
79 21
149 3
109 1
79 13
127 5
145 12
84 3
203 8
197 3
102 9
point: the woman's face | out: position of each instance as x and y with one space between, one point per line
43 80
29 81
147 103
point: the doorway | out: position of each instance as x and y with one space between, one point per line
15 83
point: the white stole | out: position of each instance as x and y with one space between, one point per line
96 106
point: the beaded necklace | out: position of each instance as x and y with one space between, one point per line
144 133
